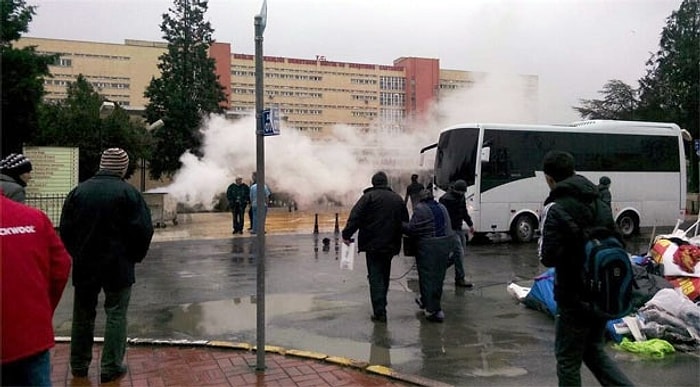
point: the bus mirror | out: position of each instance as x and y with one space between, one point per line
420 163
686 135
485 154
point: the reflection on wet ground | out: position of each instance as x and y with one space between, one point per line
206 290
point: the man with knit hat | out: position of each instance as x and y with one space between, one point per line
378 215
106 226
15 173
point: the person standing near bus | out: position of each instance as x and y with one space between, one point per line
579 334
413 192
456 206
604 190
430 225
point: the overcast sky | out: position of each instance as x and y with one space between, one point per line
574 46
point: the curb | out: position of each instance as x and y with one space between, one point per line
317 356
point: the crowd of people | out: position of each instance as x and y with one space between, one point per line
106 228
438 229
381 219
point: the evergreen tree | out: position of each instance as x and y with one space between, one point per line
23 72
619 103
188 88
670 90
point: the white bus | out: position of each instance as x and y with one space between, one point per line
502 165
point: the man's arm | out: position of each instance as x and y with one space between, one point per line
60 263
552 242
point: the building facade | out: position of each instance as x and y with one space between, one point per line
313 94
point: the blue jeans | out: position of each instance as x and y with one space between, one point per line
458 253
83 328
378 273
34 370
580 338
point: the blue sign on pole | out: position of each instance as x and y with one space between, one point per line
271 122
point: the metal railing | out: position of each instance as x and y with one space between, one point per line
51 204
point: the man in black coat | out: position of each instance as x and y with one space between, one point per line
106 227
456 206
579 334
378 215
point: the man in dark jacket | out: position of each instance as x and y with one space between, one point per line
456 206
238 196
430 225
413 192
570 207
378 215
106 226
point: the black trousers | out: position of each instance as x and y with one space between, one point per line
378 272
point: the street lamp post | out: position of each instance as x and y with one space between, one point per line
260 22
149 128
106 109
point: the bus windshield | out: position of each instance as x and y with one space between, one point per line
456 157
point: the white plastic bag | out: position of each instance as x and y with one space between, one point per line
347 256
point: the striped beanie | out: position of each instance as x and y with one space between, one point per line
15 164
114 159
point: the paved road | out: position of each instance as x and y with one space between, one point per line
205 289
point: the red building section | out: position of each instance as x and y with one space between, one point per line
221 53
422 83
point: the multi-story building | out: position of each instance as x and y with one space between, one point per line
312 94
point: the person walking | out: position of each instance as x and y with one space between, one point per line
238 195
456 206
254 203
579 333
15 173
604 190
35 268
378 215
106 226
413 192
430 225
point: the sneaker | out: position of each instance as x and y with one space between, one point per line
438 316
108 377
379 318
79 373
462 283
419 303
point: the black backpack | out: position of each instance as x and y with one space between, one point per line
607 271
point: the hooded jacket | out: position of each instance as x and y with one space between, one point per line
572 206
106 226
378 216
456 206
11 188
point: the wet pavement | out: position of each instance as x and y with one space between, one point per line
198 282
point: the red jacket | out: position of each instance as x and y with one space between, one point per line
35 268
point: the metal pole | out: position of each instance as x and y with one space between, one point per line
260 197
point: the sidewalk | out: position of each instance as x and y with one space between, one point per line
214 364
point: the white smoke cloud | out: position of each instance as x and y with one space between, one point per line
340 165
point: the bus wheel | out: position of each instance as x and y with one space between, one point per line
523 229
628 223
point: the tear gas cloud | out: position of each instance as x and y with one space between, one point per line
340 165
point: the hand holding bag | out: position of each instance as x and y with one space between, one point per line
347 256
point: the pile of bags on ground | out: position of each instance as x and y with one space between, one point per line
665 297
